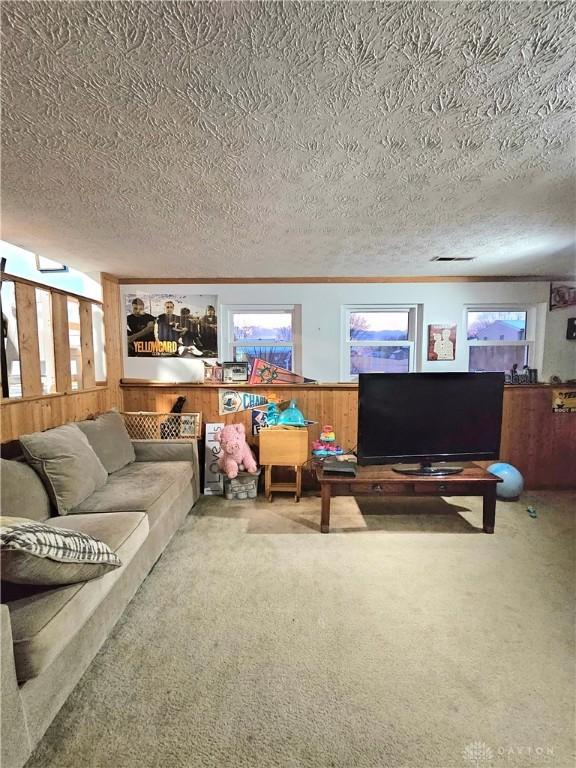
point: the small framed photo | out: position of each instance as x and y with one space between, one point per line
235 373
562 294
212 374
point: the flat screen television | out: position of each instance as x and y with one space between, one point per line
429 417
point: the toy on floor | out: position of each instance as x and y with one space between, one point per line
512 481
326 445
244 486
235 454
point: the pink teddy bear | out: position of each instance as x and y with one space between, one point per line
235 453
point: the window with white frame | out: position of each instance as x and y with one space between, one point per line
378 339
268 332
500 337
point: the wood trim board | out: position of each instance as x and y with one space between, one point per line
24 281
323 279
28 349
61 342
87 345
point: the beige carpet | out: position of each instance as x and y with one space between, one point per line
405 639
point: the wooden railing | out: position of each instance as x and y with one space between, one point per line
36 410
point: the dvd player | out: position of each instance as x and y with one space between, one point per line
335 467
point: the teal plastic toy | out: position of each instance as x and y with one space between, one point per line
273 414
292 416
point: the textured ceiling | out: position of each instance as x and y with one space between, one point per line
246 138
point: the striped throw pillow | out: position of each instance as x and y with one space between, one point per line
37 553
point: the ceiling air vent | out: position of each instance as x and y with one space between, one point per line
453 258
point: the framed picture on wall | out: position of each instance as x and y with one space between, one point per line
441 342
212 374
164 324
562 294
235 373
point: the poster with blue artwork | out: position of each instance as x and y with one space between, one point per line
259 421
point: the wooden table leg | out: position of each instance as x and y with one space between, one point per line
298 483
489 509
325 513
268 481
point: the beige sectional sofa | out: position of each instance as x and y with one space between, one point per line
49 635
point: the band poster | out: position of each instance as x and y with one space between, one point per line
171 325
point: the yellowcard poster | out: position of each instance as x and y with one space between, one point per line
171 325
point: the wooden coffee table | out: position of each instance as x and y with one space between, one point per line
383 481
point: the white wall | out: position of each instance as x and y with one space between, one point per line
321 321
559 352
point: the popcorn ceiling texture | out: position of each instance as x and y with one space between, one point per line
190 139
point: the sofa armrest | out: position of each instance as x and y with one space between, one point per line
15 739
170 450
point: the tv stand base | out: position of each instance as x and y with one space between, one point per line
426 470
383 481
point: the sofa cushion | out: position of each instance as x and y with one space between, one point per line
22 492
140 487
66 463
39 553
109 439
44 619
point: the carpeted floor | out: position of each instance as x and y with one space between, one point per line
404 639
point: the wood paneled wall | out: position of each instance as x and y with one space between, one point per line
542 444
38 412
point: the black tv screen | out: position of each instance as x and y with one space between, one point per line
426 417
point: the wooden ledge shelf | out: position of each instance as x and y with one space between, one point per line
126 383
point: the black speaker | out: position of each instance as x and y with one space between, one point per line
571 329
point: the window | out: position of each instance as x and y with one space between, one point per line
75 344
499 337
39 269
378 339
47 266
271 333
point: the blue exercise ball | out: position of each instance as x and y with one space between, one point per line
512 481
